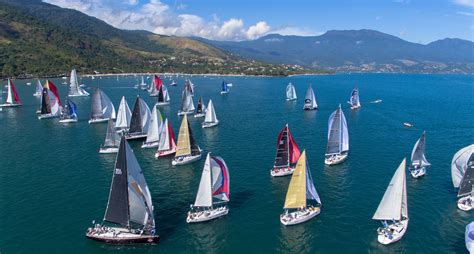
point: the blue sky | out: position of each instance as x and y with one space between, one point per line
420 21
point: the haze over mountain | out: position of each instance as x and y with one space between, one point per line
37 38
358 50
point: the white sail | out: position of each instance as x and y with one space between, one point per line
74 88
345 133
338 135
166 94
124 115
459 164
39 88
108 108
204 194
145 115
164 144
154 128
210 113
354 99
394 202
9 99
310 99
290 92
418 153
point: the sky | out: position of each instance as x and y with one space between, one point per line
420 21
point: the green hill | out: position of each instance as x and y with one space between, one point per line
39 39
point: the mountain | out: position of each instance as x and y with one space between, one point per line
358 50
40 39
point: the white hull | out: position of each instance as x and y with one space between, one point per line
281 171
151 145
469 237
392 233
165 153
118 235
182 160
209 125
105 150
47 116
37 94
419 172
129 136
78 95
162 103
8 105
201 216
224 92
466 203
199 115
101 120
182 113
335 159
292 99
298 217
68 120
355 107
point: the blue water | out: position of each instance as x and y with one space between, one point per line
54 183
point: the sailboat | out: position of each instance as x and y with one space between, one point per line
300 190
129 208
469 237
393 208
167 144
225 88
462 172
418 160
154 129
143 85
213 192
12 99
50 102
310 100
187 104
187 150
123 116
338 138
173 83
155 86
354 99
140 120
74 89
112 139
201 109
290 92
287 154
211 119
39 89
69 112
163 96
102 108
188 85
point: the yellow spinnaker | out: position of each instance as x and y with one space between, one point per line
184 145
296 195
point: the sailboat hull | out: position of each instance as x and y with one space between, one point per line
399 230
105 150
182 113
466 203
9 105
199 115
224 92
37 94
98 120
165 153
120 236
202 216
209 125
355 107
291 99
78 95
185 160
419 172
309 108
299 217
335 159
131 136
47 116
70 120
162 103
281 171
151 145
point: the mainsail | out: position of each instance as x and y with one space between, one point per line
290 92
129 197
49 103
140 117
418 154
459 164
124 115
112 139
12 96
167 141
39 88
467 182
225 87
102 107
214 182
187 104
393 205
287 149
49 85
310 99
154 129
338 135
155 86
354 100
200 107
163 95
189 86
69 110
186 143
74 88
210 113
301 186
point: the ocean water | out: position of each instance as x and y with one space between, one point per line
54 183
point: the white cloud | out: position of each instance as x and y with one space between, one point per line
291 30
158 17
465 13
465 3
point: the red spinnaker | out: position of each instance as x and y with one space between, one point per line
294 149
158 82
